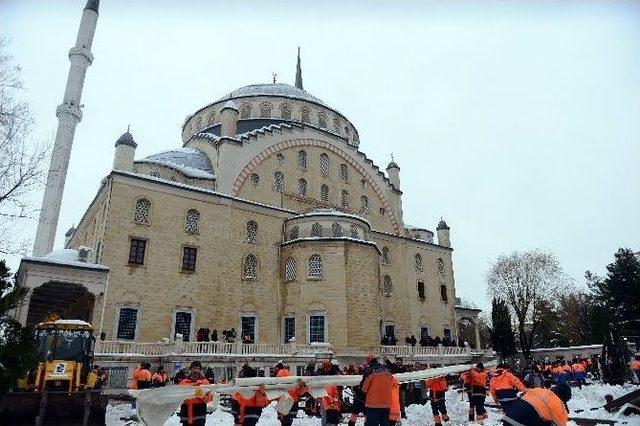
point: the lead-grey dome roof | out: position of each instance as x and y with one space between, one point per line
273 89
187 157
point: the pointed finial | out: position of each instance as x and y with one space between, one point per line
275 74
129 125
392 156
299 72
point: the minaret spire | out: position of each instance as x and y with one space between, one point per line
69 115
299 72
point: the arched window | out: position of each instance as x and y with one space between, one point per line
336 229
387 285
142 211
315 266
250 267
280 159
302 187
255 179
344 172
344 199
285 111
304 114
302 160
385 255
441 266
265 109
324 164
322 119
293 232
382 211
252 231
191 225
364 204
278 182
290 269
418 258
336 124
211 118
245 110
316 230
354 231
324 193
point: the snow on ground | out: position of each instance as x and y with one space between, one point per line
417 415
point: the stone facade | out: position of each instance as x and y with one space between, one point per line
294 189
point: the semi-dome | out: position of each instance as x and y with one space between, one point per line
189 161
273 89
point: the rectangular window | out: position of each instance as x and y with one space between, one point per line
424 333
183 325
316 329
136 251
443 293
248 329
189 258
421 293
127 324
289 328
390 330
446 334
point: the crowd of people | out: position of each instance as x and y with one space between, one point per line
391 340
204 334
536 396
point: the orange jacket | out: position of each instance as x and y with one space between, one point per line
478 378
140 375
197 399
134 382
332 400
259 399
394 409
283 373
547 405
635 365
577 367
159 377
503 380
297 392
377 385
437 384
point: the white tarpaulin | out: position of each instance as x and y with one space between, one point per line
155 406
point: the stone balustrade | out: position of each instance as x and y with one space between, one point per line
431 351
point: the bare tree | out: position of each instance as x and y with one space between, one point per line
523 280
21 159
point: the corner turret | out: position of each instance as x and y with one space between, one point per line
125 152
443 233
229 120
393 171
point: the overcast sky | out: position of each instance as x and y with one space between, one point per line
517 122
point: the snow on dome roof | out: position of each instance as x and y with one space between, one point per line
68 257
186 157
273 89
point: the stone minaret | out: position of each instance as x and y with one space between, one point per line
299 72
69 115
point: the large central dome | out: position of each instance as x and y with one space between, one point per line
273 89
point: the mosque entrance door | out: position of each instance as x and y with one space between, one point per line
69 301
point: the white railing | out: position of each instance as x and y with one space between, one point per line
207 348
403 350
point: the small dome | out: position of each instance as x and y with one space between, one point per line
187 157
442 225
126 139
393 165
230 105
274 89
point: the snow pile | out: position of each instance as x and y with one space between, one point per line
593 396
65 256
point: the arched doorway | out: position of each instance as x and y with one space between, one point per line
69 301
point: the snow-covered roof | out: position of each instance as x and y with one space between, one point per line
65 257
189 161
273 89
71 322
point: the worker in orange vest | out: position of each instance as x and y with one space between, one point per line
331 406
635 366
437 388
394 409
295 393
535 407
504 386
478 385
142 376
251 408
159 378
193 411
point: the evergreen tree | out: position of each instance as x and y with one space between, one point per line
502 336
17 347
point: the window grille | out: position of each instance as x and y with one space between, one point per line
255 179
248 327
363 183
302 160
443 293
315 266
344 199
316 328
336 124
336 229
364 202
191 225
290 269
278 182
136 251
418 259
265 110
189 255
252 231
211 118
421 293
324 194
382 211
293 233
441 266
424 333
245 110
154 174
344 172
280 159
285 111
250 267
143 208
322 120
387 287
316 230
324 164
302 187
304 115
289 329
354 231
127 323
446 333
385 255
183 325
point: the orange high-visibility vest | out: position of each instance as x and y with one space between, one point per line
547 405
